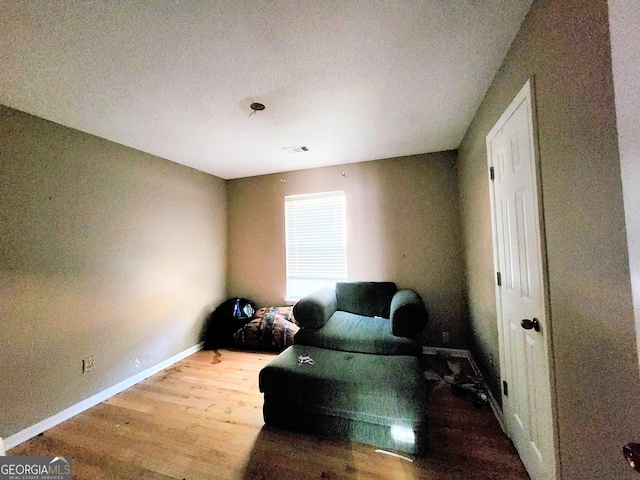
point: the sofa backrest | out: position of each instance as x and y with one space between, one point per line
371 299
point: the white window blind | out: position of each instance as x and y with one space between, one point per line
316 242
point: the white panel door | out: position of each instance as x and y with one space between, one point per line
521 294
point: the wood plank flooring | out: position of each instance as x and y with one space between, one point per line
202 419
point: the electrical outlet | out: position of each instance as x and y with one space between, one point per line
445 337
88 363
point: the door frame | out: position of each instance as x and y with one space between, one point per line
526 94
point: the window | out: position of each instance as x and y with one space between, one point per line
316 242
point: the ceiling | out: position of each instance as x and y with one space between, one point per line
351 80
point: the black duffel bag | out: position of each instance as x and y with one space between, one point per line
225 320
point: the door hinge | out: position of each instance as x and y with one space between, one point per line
492 173
499 279
505 388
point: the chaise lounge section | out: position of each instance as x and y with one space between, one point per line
354 370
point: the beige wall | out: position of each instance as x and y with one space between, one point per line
402 225
565 46
104 251
624 19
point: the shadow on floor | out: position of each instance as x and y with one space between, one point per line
279 455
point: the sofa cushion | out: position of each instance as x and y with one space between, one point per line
357 333
374 399
371 388
371 299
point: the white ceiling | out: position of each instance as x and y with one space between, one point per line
352 80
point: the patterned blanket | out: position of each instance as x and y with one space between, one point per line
272 328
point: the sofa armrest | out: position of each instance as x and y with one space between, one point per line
313 310
408 314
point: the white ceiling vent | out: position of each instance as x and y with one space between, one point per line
297 149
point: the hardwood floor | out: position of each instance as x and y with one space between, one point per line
202 419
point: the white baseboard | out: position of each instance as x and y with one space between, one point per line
497 411
66 414
460 353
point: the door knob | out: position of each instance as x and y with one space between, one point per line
530 324
631 452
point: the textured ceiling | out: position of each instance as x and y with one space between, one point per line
352 80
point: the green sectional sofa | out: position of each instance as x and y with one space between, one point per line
354 370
